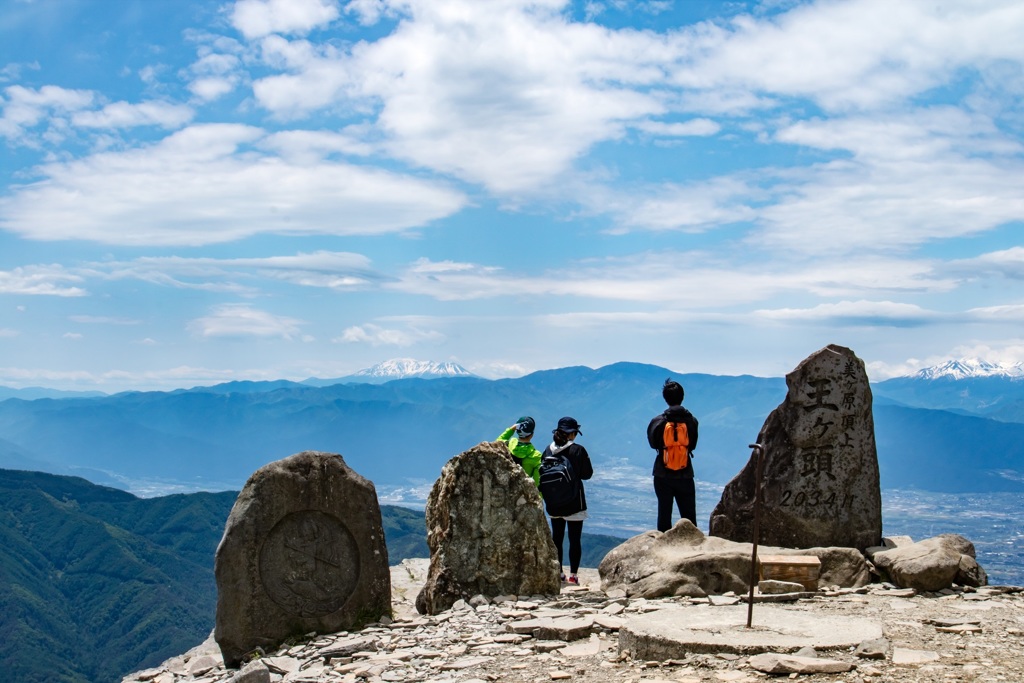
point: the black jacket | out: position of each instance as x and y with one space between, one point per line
656 438
580 460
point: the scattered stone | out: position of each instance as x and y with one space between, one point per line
820 478
773 663
906 657
872 649
770 587
255 671
959 628
486 531
303 551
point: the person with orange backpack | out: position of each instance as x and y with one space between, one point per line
673 435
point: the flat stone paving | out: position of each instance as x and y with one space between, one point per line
673 633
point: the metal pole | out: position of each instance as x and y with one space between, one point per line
759 453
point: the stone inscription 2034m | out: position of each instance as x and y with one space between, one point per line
829 415
309 563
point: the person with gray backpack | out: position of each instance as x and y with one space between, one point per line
564 466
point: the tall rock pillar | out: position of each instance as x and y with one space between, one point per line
820 481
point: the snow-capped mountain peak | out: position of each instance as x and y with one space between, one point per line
967 368
400 368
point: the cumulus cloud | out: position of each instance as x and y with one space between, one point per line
257 18
204 185
243 320
26 107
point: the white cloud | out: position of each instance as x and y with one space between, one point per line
242 320
127 115
1007 262
690 280
102 320
693 127
376 335
26 107
459 84
210 88
863 313
51 280
332 270
7 332
204 185
696 207
1009 313
71 335
257 18
844 55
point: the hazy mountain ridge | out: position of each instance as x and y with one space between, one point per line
405 430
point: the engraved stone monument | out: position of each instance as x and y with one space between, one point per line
303 551
820 482
486 531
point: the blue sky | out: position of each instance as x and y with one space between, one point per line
196 192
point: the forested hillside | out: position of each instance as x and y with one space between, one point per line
95 582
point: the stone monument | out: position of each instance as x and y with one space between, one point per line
486 531
303 551
820 480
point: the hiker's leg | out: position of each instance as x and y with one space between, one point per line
663 490
575 545
558 534
686 499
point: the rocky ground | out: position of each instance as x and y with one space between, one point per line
958 635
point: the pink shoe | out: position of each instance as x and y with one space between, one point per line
573 580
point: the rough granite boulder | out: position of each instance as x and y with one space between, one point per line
820 484
486 531
930 565
303 551
683 561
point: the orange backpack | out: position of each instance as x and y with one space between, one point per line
676 455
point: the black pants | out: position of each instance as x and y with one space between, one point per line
682 492
575 547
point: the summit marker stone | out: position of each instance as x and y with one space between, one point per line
303 551
820 480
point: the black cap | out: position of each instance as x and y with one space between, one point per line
525 425
568 424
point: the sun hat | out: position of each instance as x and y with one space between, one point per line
568 424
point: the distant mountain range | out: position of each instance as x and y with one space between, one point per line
936 435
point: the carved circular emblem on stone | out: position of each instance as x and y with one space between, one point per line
309 563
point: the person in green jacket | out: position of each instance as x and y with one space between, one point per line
518 438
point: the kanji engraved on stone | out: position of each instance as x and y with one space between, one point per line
309 563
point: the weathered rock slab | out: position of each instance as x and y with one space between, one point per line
777 664
303 551
684 562
674 632
486 531
820 480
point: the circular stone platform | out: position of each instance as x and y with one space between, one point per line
673 632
